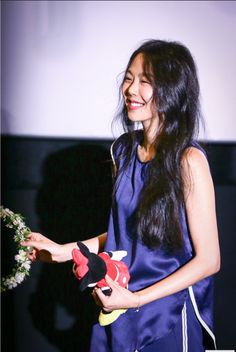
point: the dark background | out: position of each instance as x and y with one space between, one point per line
63 189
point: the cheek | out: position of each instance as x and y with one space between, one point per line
147 95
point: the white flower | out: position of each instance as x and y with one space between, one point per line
19 277
21 257
22 267
10 282
26 265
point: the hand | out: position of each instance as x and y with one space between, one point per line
120 298
44 249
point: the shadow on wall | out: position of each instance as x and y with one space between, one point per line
72 204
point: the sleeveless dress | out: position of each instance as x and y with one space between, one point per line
133 331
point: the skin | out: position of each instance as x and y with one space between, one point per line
199 202
137 88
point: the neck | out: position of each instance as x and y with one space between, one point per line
146 151
150 128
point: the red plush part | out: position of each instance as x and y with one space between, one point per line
124 276
116 270
82 263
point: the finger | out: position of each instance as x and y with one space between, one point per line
96 299
111 283
32 257
34 236
100 295
28 243
104 300
34 244
107 310
32 254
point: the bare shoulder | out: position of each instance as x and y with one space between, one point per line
195 160
196 171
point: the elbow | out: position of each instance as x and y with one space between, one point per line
218 265
214 265
209 265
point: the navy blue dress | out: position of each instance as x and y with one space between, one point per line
135 331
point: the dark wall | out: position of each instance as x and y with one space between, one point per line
63 189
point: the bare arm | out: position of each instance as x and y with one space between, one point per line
201 215
95 245
49 251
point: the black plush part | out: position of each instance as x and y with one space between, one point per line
83 248
97 267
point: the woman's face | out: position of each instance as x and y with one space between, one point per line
138 93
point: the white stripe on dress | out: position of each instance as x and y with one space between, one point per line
184 329
199 316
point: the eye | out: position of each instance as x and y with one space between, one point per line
145 80
127 79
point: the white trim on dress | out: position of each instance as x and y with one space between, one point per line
206 327
184 329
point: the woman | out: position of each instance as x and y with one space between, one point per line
163 212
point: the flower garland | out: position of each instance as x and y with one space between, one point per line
22 266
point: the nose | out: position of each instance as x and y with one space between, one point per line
132 88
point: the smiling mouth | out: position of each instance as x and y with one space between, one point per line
134 105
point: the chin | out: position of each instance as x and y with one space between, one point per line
137 119
134 117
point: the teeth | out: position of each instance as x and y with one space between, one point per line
136 104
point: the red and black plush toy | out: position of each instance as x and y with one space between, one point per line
91 269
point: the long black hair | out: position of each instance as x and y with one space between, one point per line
171 69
